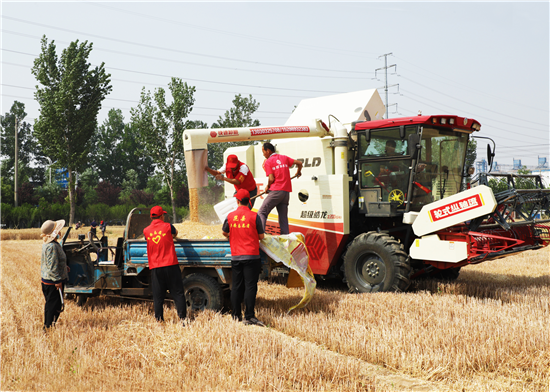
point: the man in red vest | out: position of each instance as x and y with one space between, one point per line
163 264
244 230
279 186
238 174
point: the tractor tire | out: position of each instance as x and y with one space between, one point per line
81 299
202 292
376 262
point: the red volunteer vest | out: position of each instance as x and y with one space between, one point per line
247 182
243 235
160 245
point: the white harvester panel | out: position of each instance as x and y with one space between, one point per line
452 210
431 248
365 105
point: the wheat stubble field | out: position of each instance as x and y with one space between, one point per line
486 331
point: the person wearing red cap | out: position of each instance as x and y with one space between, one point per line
238 174
163 264
244 230
279 186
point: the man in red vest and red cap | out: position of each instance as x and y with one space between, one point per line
163 264
238 174
244 230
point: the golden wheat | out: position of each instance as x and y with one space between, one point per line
486 331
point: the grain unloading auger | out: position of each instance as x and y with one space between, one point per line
382 201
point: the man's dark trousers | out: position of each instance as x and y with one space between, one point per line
244 286
168 278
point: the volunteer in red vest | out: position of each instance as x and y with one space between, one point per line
238 174
163 264
279 186
244 230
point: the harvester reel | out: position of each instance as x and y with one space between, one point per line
397 196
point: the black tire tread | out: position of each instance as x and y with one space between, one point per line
400 259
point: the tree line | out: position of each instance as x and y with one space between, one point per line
134 162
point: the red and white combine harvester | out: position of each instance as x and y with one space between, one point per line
383 201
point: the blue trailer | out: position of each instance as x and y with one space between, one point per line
123 270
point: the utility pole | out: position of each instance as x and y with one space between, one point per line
16 182
385 68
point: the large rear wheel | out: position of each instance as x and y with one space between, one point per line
376 262
202 292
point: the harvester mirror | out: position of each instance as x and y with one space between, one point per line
413 145
490 155
367 136
402 132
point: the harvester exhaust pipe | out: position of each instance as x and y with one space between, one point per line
195 145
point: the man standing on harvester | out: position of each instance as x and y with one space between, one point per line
163 264
238 174
279 186
244 230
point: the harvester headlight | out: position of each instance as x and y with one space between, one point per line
443 121
451 121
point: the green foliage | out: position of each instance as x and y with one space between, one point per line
130 183
106 155
240 115
70 98
160 127
28 149
6 192
49 191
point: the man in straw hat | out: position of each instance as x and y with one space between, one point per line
163 264
244 230
238 174
54 271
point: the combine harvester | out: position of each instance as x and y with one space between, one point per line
383 201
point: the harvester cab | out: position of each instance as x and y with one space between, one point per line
404 164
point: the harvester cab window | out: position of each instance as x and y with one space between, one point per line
439 170
384 163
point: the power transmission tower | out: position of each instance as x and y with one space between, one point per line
385 68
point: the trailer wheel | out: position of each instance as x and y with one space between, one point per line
376 262
81 299
202 292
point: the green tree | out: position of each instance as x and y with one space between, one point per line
70 98
160 126
132 149
28 152
239 116
106 156
129 184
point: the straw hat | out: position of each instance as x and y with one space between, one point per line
50 229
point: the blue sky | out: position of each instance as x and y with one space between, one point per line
488 61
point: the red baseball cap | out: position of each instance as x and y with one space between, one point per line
157 211
232 162
242 194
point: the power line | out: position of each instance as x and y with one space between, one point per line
468 103
502 122
171 50
468 88
203 80
208 65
